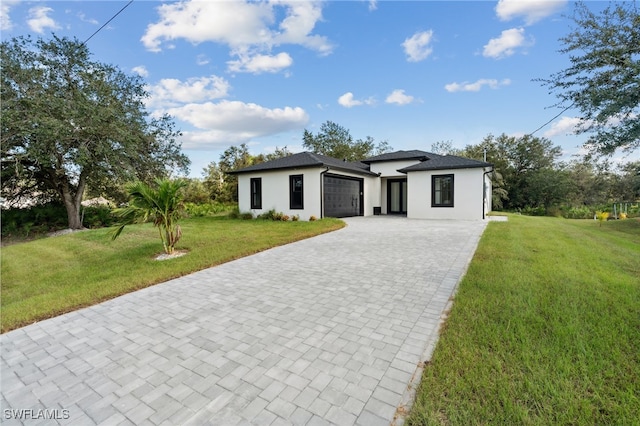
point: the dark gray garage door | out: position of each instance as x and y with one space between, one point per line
342 196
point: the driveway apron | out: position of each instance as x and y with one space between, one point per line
328 330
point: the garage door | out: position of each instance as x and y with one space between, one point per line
342 196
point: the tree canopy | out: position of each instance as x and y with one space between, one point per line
603 80
69 122
222 186
336 141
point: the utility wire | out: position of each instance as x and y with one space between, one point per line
107 23
558 115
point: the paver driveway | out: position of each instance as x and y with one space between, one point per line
327 330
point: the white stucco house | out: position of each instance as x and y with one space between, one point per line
417 184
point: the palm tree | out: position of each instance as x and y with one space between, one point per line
161 205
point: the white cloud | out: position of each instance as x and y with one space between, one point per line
417 47
563 127
233 122
399 97
373 5
347 100
5 19
84 18
170 92
202 59
296 28
218 124
476 86
39 20
261 63
531 10
141 70
250 29
506 44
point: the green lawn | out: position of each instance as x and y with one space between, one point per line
50 276
545 329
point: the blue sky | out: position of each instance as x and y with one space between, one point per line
409 72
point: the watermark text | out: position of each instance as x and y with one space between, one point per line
38 414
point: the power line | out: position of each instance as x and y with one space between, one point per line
107 23
558 115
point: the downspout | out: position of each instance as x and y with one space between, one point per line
484 192
322 192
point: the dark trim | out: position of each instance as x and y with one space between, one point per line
322 174
389 181
255 191
433 190
293 203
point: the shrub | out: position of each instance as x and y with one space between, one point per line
295 218
582 212
97 217
207 209
534 211
36 219
273 215
268 215
234 214
312 218
602 216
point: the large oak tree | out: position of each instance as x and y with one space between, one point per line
69 122
603 79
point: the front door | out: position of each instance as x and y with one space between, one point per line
397 196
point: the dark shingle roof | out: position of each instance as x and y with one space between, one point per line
441 162
401 155
308 159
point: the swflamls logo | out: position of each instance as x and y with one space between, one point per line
31 414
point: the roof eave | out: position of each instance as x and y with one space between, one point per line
480 166
260 170
418 158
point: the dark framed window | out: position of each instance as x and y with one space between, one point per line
442 191
296 198
256 193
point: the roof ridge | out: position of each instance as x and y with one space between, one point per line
314 156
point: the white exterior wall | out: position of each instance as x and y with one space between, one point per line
275 192
468 198
390 168
372 194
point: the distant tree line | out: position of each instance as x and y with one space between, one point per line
529 176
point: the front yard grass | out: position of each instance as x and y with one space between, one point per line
545 329
51 276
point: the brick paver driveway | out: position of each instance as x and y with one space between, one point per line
327 330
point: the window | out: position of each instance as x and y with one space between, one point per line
256 193
296 200
442 191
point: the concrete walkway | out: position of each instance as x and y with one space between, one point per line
328 330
